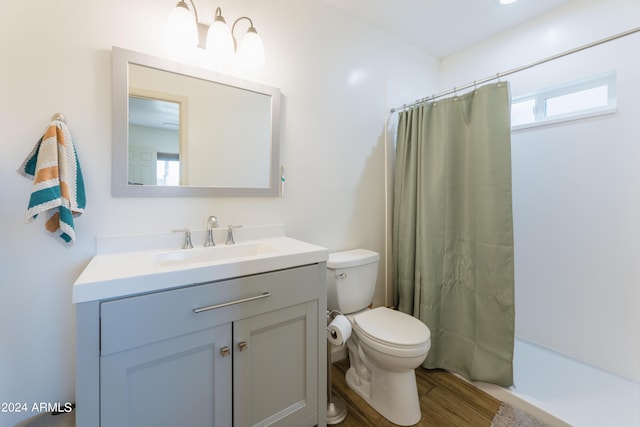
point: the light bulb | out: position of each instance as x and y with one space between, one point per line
220 41
182 30
251 50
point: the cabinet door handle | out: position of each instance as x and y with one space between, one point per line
225 351
242 345
225 304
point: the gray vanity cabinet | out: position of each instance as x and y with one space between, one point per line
174 382
251 357
275 376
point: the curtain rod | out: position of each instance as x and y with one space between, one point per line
518 69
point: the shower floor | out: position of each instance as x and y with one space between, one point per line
563 391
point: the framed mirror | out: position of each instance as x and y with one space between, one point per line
182 131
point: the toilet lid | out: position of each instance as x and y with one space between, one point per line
393 327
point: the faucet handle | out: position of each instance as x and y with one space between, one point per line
230 240
187 238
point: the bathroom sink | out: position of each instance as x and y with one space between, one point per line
138 264
213 254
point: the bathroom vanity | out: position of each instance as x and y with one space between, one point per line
212 338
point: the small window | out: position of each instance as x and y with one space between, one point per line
523 112
571 101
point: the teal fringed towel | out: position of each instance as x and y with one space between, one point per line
58 187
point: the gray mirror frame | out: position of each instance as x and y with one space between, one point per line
121 58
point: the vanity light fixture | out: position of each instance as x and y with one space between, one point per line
183 30
507 1
181 27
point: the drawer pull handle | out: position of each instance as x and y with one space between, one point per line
242 345
225 351
225 304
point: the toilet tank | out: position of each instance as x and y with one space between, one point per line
351 279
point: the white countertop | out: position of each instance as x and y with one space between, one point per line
112 274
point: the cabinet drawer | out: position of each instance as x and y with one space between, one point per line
131 322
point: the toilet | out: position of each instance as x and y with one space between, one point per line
386 345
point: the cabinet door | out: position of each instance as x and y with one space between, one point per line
182 381
276 367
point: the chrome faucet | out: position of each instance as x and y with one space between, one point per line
187 238
230 239
212 222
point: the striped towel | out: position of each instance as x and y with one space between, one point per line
58 187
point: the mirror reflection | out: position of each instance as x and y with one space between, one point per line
192 132
154 142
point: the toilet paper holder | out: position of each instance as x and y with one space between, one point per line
336 407
330 316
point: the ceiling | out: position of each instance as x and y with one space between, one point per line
443 27
154 113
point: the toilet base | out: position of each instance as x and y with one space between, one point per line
395 394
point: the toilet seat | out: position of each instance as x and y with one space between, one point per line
393 332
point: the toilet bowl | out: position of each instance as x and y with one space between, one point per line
386 345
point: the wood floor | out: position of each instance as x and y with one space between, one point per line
445 400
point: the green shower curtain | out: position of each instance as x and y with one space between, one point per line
453 230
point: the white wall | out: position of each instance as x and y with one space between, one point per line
575 186
338 78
